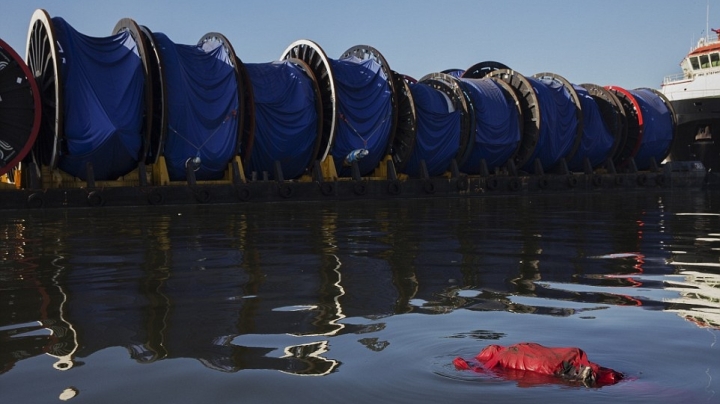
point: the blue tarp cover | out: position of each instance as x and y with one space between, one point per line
365 112
497 125
286 119
558 123
657 128
597 140
103 97
438 131
202 104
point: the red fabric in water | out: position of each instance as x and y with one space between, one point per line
567 363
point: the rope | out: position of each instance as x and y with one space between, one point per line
232 114
372 132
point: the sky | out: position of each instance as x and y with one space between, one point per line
626 43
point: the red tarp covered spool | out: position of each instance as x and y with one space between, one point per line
569 364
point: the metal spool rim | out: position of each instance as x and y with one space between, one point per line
530 112
612 112
38 51
482 69
406 131
312 54
248 121
451 87
159 88
135 32
365 52
409 79
37 116
318 107
221 40
578 109
670 108
634 125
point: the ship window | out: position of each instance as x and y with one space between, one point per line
694 62
715 59
703 133
704 61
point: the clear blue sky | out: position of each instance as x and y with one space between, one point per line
628 43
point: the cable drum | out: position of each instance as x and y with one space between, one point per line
365 113
650 126
658 127
202 100
101 84
437 139
287 125
597 140
359 106
497 131
560 126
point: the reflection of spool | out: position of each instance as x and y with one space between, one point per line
108 128
359 102
20 109
650 126
63 332
68 393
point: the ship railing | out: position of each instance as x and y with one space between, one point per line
674 77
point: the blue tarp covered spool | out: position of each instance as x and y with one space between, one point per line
437 139
597 140
287 122
650 127
358 103
529 107
560 124
202 101
365 113
497 131
658 127
103 103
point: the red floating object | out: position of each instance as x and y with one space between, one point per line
530 362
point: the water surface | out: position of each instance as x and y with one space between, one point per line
359 301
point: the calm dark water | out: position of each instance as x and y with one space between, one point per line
359 301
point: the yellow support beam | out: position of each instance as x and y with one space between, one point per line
328 169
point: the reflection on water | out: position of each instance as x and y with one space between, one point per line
270 286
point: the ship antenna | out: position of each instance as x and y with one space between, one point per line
707 23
